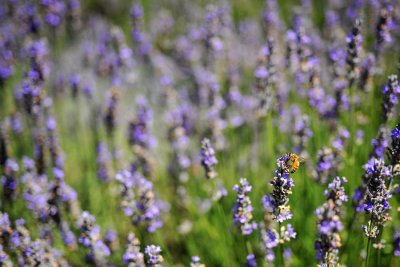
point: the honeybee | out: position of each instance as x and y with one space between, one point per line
294 162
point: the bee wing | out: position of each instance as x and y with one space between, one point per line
301 159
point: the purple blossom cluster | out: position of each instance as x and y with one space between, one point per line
208 159
390 91
277 202
272 238
153 256
178 136
103 162
396 244
354 44
329 223
276 208
366 74
271 21
196 262
138 200
394 151
242 209
9 180
380 143
251 261
139 37
110 115
329 159
383 26
132 256
265 79
17 241
380 147
90 237
377 196
302 134
141 139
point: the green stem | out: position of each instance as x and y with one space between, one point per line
379 257
248 246
366 258
282 259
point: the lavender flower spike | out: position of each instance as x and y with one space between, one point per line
282 183
354 41
390 97
276 207
208 159
329 224
396 243
377 196
382 31
4 258
153 257
242 208
251 261
9 180
394 151
90 238
132 256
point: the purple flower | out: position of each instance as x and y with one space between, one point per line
390 97
250 261
4 258
282 184
329 224
9 180
354 43
16 124
153 256
265 78
269 240
329 160
5 228
90 237
366 73
140 126
396 243
179 140
68 236
109 117
377 196
54 12
139 200
37 51
383 27
242 209
380 143
111 239
132 255
196 262
394 151
75 84
208 159
139 37
302 133
276 207
98 253
270 15
103 162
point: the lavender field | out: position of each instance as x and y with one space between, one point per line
153 133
